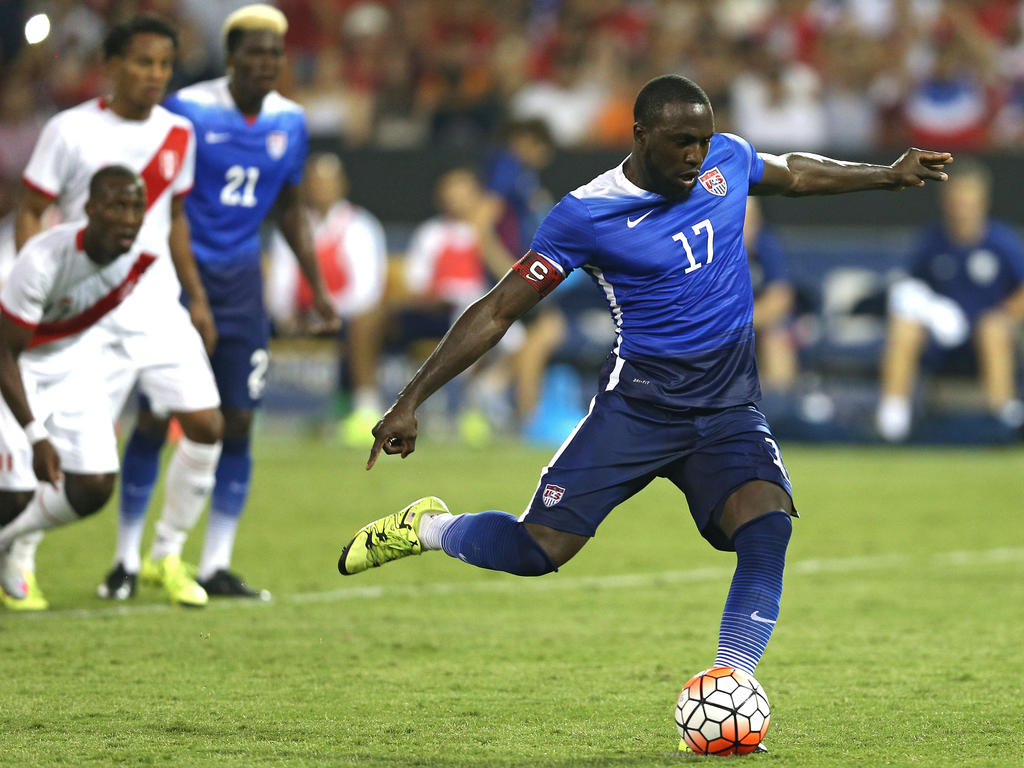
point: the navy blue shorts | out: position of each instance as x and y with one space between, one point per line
235 291
623 444
240 368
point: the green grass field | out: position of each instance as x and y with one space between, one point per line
900 641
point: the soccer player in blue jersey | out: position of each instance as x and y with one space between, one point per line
661 234
251 150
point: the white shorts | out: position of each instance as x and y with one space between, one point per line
73 410
168 362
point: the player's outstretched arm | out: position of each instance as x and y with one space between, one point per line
13 341
799 173
478 329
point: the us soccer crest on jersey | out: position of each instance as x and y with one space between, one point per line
714 182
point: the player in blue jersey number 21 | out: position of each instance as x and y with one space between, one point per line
250 154
662 234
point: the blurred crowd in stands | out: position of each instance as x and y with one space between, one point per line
847 74
521 80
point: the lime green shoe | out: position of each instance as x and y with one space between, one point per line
34 599
389 538
474 429
177 578
356 429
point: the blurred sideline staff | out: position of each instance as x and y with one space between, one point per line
966 287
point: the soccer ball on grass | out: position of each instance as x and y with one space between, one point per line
722 711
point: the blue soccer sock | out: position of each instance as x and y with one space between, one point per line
495 540
138 477
756 592
234 471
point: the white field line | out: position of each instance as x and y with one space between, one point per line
958 559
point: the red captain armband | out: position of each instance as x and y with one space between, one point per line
539 272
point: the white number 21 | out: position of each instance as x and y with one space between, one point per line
240 177
702 226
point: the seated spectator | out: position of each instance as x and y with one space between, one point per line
966 284
452 260
350 249
774 298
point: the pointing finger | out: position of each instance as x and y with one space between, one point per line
374 452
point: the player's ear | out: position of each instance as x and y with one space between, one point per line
639 133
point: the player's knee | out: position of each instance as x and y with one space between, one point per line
751 501
150 424
89 493
12 504
237 424
205 427
560 546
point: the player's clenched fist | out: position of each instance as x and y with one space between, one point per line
394 433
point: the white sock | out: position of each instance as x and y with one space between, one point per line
129 542
367 399
219 543
432 527
893 418
190 478
23 550
49 508
1011 413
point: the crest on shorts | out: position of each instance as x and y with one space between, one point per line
277 144
714 182
168 163
552 494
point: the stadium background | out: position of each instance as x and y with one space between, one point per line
405 89
900 637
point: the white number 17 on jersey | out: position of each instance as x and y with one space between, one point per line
697 229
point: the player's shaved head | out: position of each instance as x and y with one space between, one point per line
109 173
120 35
663 90
258 17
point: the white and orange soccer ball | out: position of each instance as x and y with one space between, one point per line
722 711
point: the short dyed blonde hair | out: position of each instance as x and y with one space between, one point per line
258 16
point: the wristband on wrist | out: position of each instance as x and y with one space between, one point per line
35 432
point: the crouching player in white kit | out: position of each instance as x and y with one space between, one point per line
55 425
150 337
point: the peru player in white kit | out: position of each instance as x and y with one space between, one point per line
55 425
150 333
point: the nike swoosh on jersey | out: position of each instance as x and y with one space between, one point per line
631 223
755 617
212 137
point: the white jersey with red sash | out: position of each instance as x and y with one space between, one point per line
58 292
62 295
78 142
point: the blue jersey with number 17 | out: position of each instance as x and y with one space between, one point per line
241 166
675 275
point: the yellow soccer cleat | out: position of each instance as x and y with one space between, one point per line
176 578
389 538
34 599
356 429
